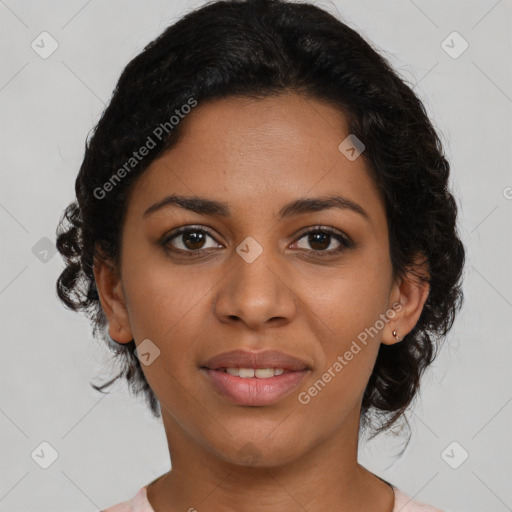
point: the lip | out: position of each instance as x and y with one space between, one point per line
264 359
255 391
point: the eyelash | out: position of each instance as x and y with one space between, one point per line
345 242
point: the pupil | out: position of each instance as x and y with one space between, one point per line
314 239
196 238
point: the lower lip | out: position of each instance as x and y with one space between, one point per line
254 391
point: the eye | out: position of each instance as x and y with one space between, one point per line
320 239
190 239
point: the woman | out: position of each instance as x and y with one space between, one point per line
264 234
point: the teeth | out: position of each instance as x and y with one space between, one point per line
260 373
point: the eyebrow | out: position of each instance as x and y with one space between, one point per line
302 205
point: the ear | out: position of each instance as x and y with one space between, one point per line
113 301
408 295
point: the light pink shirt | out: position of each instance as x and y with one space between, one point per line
140 503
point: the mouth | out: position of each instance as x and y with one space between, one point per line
254 378
249 373
266 359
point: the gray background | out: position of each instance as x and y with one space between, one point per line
108 446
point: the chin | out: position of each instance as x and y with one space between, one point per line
259 452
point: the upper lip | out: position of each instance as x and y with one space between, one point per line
264 359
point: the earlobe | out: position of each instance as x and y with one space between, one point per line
109 286
395 334
412 293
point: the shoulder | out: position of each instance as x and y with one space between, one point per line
125 506
139 503
405 504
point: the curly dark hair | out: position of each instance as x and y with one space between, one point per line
258 48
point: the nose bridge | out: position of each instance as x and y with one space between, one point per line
255 290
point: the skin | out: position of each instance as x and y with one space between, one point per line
257 155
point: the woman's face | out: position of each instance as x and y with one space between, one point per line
247 277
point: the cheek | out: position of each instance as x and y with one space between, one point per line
351 302
349 348
349 312
167 306
336 391
162 296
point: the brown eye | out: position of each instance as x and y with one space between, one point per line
193 239
319 240
188 239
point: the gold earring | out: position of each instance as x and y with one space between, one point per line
395 335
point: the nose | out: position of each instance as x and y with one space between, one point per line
258 294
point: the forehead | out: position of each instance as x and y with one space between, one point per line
258 154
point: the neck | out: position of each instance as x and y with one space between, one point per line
326 476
